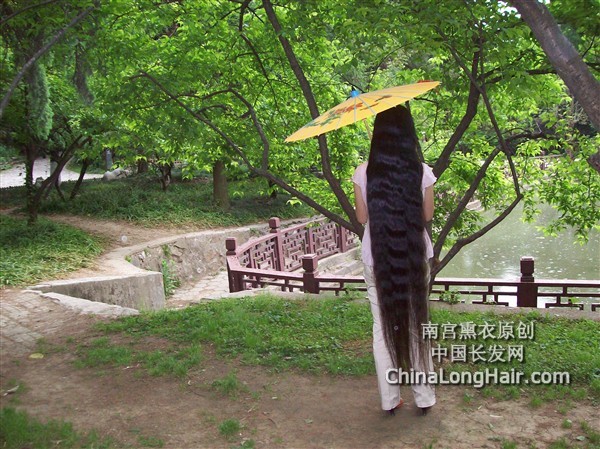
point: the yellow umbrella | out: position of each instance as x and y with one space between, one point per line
360 106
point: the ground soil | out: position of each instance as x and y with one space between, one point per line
276 409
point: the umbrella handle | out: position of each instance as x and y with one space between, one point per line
368 129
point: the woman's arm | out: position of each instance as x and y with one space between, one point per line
362 213
428 206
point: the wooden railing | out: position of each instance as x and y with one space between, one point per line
523 292
274 260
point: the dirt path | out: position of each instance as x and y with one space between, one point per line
278 410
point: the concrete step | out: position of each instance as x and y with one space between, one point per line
348 263
354 268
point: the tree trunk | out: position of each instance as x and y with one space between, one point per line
32 204
142 163
165 178
84 166
564 58
142 166
34 196
220 191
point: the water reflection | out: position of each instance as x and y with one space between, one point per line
497 254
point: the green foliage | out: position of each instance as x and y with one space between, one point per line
559 345
101 352
316 336
38 103
247 444
567 424
141 200
150 441
508 445
33 253
7 156
450 296
19 430
569 184
193 85
170 281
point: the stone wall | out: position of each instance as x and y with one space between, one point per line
143 291
192 256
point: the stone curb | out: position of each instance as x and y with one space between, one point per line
85 306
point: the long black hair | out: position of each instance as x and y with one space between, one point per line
396 223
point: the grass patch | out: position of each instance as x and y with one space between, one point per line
567 424
19 430
29 254
333 335
175 361
13 391
586 438
558 345
314 336
229 385
145 441
230 428
140 199
592 435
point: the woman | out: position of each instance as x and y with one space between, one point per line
394 198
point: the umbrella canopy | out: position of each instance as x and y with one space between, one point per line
360 106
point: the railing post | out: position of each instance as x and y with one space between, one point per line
275 224
309 282
527 288
343 244
235 284
310 240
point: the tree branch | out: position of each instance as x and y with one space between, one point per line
66 155
444 160
314 111
482 90
258 126
78 18
258 171
563 56
462 204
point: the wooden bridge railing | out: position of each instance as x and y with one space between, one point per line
273 260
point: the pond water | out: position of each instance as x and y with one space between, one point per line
497 253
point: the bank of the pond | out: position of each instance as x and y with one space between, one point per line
497 253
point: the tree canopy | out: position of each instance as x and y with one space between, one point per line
225 81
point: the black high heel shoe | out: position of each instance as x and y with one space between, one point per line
424 410
392 412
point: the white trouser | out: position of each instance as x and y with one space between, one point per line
424 394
